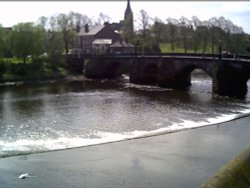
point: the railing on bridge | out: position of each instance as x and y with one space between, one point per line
225 56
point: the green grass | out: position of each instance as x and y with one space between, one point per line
15 60
166 48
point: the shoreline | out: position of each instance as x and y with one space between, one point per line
181 159
71 77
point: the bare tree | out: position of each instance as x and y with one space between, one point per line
65 26
215 32
158 30
172 30
185 27
103 18
43 21
196 33
77 21
144 23
204 30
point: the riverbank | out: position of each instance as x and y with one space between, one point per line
182 159
68 78
235 174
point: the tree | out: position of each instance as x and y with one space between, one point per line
77 21
40 39
103 18
144 23
145 31
172 25
196 33
43 21
27 39
54 44
215 32
158 30
23 40
55 48
185 28
64 26
204 32
2 40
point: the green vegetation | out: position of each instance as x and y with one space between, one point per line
235 174
30 51
13 69
166 48
191 36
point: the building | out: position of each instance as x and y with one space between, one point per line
121 47
91 39
101 46
99 39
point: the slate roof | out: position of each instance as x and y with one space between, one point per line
93 30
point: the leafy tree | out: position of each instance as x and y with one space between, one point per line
23 40
2 40
27 39
5 43
55 47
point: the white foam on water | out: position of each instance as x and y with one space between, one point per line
146 87
65 142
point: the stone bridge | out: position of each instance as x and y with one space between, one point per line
229 75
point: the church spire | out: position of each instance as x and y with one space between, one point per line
128 21
128 10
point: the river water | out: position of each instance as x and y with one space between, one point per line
45 117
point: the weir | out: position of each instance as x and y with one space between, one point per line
229 75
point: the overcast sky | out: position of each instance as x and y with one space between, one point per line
13 12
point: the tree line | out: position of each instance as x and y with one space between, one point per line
192 35
54 36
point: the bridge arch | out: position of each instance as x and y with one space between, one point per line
200 81
187 72
177 74
114 69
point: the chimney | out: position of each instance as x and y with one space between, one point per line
86 28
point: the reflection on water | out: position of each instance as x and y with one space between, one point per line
69 114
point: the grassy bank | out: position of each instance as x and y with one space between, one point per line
166 47
13 69
235 174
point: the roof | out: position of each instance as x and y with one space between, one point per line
121 44
102 41
93 30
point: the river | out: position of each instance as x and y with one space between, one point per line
62 115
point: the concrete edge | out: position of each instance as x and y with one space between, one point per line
235 174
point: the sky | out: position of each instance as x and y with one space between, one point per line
13 12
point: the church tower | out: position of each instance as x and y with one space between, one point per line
128 23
